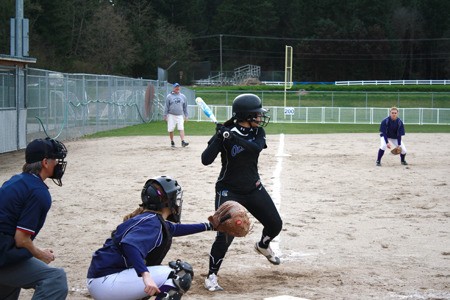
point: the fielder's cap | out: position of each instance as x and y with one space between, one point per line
176 84
39 149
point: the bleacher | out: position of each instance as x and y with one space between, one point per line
240 76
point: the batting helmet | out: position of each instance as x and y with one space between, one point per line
248 107
160 192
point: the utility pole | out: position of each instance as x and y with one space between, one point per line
19 32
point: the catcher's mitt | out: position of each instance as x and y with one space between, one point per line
396 150
231 218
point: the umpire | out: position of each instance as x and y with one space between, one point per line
24 204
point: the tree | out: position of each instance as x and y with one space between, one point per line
141 17
6 12
408 25
108 46
174 44
332 39
237 18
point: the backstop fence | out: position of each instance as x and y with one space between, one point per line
68 106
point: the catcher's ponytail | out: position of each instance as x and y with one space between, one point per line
136 212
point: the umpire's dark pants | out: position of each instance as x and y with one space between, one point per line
48 282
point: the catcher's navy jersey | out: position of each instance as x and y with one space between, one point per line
392 129
239 157
24 204
134 240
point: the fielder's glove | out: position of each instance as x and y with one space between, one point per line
397 150
231 218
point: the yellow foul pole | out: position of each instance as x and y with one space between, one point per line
287 71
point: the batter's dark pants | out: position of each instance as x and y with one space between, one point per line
260 205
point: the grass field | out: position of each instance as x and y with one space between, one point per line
310 96
206 128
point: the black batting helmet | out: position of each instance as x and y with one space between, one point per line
247 107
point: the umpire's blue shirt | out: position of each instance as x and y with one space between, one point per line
24 204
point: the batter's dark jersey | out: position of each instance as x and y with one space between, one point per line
239 156
239 181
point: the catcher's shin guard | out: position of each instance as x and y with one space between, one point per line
171 294
181 275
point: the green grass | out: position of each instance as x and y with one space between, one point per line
194 128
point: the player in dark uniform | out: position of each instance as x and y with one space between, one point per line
239 179
391 132
128 266
24 203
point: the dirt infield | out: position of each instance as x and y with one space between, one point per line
351 230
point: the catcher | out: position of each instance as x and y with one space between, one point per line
128 265
239 141
391 132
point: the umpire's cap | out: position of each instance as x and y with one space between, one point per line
39 149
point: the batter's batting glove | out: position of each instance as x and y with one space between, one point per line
224 132
218 126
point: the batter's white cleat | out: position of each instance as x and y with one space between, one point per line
211 283
268 253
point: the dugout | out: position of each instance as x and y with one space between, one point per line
13 98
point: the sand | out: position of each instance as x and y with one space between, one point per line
351 230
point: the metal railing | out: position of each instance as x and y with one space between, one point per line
336 115
394 82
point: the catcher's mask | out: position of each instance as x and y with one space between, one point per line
248 107
160 192
49 148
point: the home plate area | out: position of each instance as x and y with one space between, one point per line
285 297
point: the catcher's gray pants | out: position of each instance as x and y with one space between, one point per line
48 282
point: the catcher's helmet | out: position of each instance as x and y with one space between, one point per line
247 107
160 192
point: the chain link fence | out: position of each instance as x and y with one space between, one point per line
72 105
